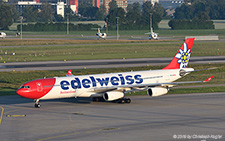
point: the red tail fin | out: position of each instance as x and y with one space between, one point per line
69 73
183 55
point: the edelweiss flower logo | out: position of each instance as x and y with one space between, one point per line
183 56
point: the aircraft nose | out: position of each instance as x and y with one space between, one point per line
22 92
36 89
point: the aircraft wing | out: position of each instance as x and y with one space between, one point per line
143 87
188 82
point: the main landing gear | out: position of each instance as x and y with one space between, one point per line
123 100
37 105
98 99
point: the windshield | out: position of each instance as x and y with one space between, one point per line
27 87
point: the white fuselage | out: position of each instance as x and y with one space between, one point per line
87 85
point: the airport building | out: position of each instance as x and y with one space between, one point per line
167 4
120 3
171 4
59 6
96 3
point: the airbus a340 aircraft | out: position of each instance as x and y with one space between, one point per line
112 86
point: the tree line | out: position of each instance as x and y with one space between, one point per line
192 13
197 14
57 27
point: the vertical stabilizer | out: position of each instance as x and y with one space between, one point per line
183 55
98 31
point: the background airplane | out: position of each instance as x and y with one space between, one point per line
98 34
113 86
101 35
152 35
2 35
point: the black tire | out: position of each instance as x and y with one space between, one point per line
128 100
94 99
37 105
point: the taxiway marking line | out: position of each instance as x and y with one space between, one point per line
64 135
76 133
1 115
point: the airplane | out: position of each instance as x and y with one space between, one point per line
101 35
152 35
2 35
111 87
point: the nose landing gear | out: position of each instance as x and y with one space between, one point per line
37 105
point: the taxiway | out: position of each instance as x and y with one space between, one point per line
107 63
166 118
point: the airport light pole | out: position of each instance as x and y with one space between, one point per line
67 23
150 22
107 26
21 24
117 28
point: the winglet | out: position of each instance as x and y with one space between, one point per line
69 73
208 79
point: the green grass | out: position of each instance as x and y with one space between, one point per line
197 90
6 92
188 90
105 51
164 30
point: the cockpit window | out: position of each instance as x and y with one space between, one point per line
27 87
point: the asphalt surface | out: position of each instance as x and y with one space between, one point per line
198 117
107 63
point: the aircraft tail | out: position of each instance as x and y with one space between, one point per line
69 73
183 55
98 30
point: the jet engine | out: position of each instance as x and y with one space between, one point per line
113 95
157 91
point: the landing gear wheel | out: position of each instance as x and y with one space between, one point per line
121 101
37 105
127 100
124 100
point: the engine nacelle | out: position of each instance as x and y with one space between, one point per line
113 95
157 91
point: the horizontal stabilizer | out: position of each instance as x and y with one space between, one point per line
208 79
